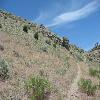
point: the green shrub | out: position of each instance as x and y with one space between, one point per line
25 28
36 36
38 88
92 72
3 69
87 87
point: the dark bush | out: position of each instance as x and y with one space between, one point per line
0 26
25 28
65 43
36 36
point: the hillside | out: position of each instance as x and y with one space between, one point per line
94 54
30 50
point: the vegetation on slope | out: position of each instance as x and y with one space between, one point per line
32 49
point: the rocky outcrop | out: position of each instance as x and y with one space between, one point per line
94 56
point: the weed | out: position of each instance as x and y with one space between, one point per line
38 88
86 86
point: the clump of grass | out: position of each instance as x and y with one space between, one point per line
54 45
94 72
3 69
86 86
38 88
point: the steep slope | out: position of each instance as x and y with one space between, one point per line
27 56
32 50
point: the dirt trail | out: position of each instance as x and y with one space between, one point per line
73 91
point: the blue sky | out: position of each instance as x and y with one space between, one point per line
79 20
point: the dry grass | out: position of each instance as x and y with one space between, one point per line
26 60
28 56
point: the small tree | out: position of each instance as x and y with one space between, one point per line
36 36
25 29
97 44
65 43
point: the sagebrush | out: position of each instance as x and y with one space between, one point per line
38 88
